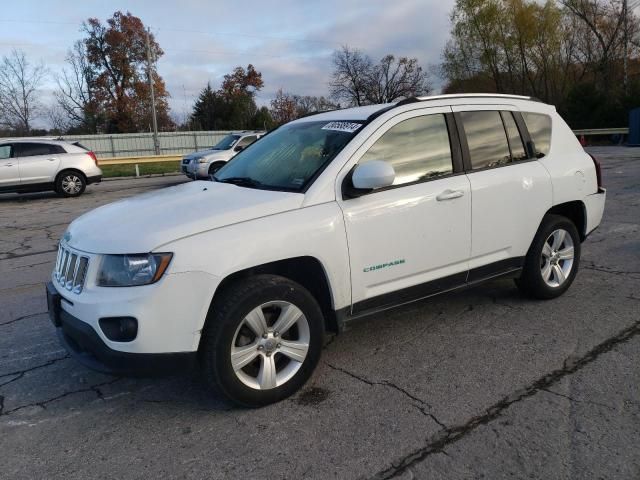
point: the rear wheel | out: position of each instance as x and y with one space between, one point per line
552 262
262 340
70 183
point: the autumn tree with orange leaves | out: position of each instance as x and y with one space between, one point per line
116 57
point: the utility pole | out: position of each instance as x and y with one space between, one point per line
625 7
156 145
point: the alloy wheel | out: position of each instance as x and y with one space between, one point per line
557 257
270 345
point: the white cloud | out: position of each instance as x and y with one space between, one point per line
289 41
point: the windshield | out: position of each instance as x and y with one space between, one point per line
289 157
226 143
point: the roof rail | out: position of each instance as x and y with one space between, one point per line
316 112
472 95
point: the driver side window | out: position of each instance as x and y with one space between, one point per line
418 149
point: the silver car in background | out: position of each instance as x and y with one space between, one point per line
203 164
35 165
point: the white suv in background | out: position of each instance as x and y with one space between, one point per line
324 221
35 165
203 164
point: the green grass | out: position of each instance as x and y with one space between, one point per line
129 170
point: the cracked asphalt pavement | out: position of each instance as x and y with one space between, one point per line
475 384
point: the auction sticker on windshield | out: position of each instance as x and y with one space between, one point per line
348 127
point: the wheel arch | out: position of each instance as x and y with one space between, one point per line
308 271
574 211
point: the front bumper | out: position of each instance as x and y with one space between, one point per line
85 345
195 170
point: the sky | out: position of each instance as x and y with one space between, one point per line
289 41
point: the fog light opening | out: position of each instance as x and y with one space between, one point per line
119 329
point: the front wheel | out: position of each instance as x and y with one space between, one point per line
262 340
552 262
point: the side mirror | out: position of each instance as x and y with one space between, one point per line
238 148
373 174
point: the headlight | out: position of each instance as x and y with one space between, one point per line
202 160
132 270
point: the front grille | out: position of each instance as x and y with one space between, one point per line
71 269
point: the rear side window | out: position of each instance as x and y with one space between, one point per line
417 149
34 149
539 126
488 146
5 152
513 134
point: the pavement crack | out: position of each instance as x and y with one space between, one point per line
598 268
418 403
17 287
24 317
572 399
455 433
21 373
43 404
12 256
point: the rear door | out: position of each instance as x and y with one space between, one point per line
510 189
9 170
39 162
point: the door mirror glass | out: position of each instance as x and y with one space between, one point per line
373 174
238 148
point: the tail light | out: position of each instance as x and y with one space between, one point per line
598 170
93 156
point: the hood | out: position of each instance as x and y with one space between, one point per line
208 153
142 223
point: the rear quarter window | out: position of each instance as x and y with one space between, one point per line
539 126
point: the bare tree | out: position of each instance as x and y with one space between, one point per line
351 69
395 78
19 83
358 81
604 21
75 94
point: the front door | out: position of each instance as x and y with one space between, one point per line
9 171
412 239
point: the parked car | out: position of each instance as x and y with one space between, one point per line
203 164
324 221
35 165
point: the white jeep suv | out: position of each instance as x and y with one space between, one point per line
203 164
35 165
325 220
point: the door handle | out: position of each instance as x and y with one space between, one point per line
449 195
51 159
8 164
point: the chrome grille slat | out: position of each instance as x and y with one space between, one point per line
70 269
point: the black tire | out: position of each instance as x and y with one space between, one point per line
531 282
70 183
214 167
224 323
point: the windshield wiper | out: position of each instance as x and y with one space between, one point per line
241 181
